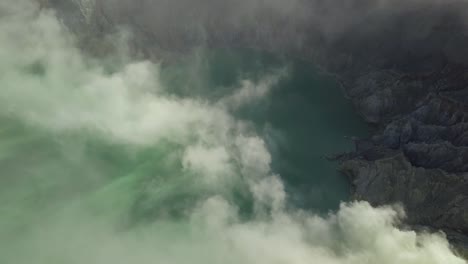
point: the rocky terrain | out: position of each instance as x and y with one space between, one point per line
415 93
404 68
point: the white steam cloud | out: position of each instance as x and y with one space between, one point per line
46 82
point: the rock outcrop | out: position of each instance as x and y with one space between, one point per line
415 94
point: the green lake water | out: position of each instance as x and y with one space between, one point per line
49 174
304 118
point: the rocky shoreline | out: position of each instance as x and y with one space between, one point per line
418 155
406 73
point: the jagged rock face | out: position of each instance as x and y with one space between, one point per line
431 197
416 96
419 156
423 165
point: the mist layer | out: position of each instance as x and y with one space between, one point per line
194 184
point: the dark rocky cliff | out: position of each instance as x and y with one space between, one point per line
415 92
405 68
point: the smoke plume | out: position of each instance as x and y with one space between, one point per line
197 185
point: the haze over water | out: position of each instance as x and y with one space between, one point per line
212 158
303 117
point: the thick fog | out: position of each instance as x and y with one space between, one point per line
200 152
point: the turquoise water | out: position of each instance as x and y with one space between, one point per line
305 118
51 173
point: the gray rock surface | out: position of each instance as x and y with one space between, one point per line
418 156
432 197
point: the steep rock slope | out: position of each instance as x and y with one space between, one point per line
415 92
